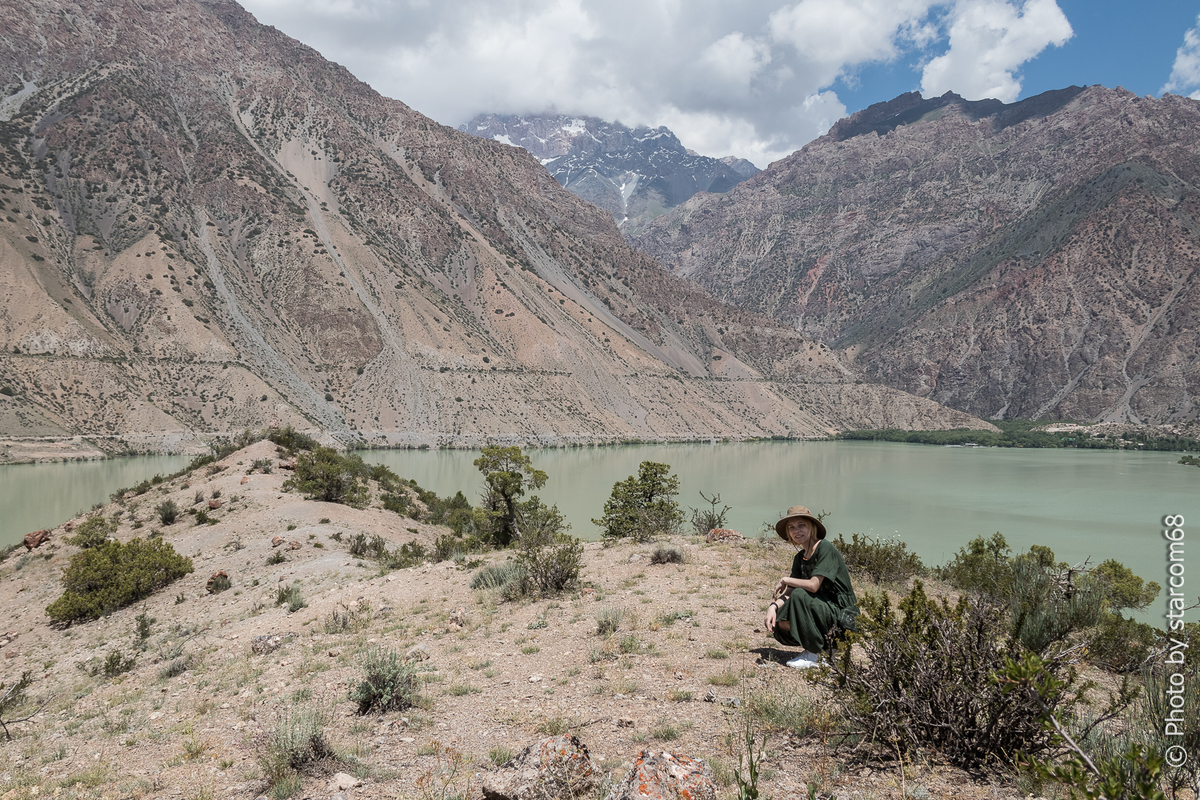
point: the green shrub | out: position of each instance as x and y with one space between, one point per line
926 681
116 664
982 566
328 476
1048 602
92 532
103 579
643 507
295 745
707 519
292 440
395 502
292 596
498 576
388 684
552 559
405 556
1123 589
1130 773
276 558
608 620
1170 694
219 584
883 561
167 511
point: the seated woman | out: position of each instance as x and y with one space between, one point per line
817 597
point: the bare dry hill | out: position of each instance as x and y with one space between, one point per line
205 226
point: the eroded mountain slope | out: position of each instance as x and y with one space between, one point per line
1029 260
206 227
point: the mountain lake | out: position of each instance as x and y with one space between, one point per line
1081 503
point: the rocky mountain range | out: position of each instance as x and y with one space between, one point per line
634 174
205 226
1031 260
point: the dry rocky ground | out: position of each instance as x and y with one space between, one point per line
508 675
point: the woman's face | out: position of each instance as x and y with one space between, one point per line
799 531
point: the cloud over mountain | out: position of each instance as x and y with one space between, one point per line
757 78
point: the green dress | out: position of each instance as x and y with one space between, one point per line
813 615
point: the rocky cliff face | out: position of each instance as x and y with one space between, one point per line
635 175
205 226
1037 259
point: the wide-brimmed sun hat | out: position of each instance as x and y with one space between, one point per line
798 511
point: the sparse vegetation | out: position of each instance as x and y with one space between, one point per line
388 684
168 512
707 519
296 745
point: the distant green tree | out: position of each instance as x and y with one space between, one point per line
508 473
324 474
642 507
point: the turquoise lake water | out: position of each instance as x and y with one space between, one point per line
1081 503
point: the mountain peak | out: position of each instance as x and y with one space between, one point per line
634 174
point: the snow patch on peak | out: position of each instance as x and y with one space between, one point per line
574 127
502 138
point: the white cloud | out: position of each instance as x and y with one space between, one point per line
1185 74
756 78
836 34
989 41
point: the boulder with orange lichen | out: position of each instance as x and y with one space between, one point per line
666 776
558 766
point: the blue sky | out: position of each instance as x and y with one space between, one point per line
754 78
1114 44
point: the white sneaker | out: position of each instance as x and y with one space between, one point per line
805 660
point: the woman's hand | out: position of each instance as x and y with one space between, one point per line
781 589
771 611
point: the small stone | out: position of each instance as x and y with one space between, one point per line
334 652
418 652
277 540
624 722
343 781
535 678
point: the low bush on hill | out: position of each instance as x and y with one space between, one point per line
388 684
326 475
883 561
92 532
112 575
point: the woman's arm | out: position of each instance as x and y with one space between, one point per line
811 585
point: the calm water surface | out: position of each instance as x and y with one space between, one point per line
1102 504
35 496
